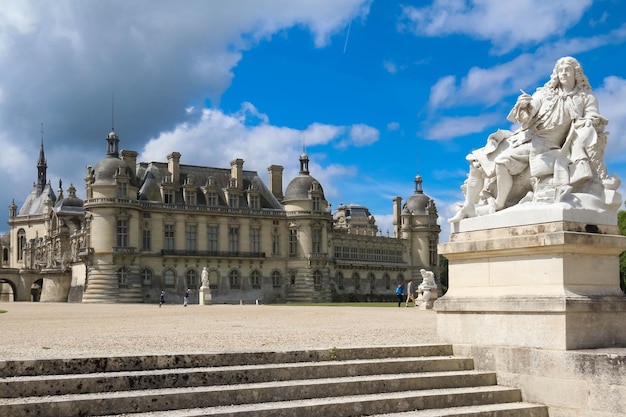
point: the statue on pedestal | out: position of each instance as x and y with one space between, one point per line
427 290
205 279
555 156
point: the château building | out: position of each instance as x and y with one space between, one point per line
145 227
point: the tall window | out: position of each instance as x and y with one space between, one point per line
372 280
122 233
387 280
356 279
275 244
233 239
432 244
233 200
255 202
293 243
234 279
146 241
340 283
276 279
21 244
168 237
317 279
316 203
316 240
122 277
169 278
122 190
168 197
191 237
212 199
146 277
191 199
255 240
255 279
192 278
212 238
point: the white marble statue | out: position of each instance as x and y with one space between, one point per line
427 290
555 156
205 278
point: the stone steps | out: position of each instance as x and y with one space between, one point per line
334 382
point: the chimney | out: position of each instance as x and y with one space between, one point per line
276 181
130 157
236 172
397 212
173 166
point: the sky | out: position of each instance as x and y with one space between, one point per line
376 91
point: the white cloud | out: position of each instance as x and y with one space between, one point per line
505 24
391 126
611 97
391 67
363 135
452 127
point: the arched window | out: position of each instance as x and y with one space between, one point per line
21 244
317 279
5 255
146 277
340 283
255 279
169 278
276 279
372 280
192 278
387 280
356 279
122 277
234 278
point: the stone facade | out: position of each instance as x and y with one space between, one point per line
146 227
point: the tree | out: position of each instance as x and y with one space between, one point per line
443 273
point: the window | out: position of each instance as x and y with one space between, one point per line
169 278
168 197
255 202
432 244
191 199
316 200
212 199
233 201
340 283
122 233
234 278
276 279
146 277
212 238
122 190
275 244
356 279
146 241
317 279
122 277
255 240
372 280
5 255
316 240
192 279
169 237
191 237
387 280
293 243
21 244
255 279
233 239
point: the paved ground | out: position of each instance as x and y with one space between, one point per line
57 330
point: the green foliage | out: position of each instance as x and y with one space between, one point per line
621 223
443 273
334 354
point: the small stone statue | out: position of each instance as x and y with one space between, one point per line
205 279
427 290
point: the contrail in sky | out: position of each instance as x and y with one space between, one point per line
345 45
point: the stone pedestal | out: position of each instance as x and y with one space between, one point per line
56 286
541 278
204 296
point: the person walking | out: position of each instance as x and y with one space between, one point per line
410 294
162 298
400 292
186 298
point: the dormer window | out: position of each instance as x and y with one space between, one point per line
212 199
191 198
168 196
122 190
316 203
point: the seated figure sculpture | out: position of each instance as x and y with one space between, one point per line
556 155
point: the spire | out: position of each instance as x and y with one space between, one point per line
113 139
41 167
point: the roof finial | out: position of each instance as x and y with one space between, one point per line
112 112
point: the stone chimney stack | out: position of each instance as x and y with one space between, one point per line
276 181
236 172
130 157
397 212
173 166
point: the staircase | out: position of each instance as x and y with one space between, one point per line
417 381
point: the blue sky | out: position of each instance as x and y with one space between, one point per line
378 91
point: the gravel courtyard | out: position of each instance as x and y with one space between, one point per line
59 330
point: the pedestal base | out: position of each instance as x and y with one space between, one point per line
205 297
546 285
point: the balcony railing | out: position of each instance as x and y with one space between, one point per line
124 250
212 254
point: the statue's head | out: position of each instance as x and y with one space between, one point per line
581 79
